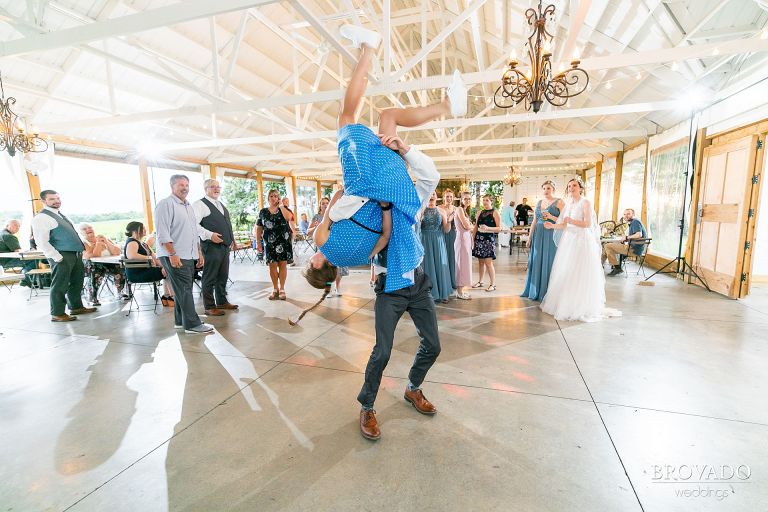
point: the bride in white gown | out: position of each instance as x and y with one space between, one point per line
577 283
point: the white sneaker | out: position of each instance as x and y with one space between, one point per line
200 329
178 326
360 36
457 95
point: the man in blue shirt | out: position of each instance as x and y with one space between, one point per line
178 247
612 250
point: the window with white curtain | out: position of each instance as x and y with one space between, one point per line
606 190
631 190
589 185
666 182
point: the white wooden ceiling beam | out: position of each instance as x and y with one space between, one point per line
580 152
235 51
387 32
319 27
447 31
215 57
295 137
124 25
593 63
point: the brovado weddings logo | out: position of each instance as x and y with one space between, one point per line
702 480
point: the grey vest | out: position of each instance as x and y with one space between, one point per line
64 237
218 222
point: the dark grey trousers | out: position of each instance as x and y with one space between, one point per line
215 274
182 282
67 282
417 301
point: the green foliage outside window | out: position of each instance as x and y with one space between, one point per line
242 199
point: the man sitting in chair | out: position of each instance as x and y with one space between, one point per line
9 243
612 250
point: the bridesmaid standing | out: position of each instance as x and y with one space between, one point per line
486 230
450 236
463 247
542 244
434 223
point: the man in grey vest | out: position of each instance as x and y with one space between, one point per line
215 229
178 247
58 239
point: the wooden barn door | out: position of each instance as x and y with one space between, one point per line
725 198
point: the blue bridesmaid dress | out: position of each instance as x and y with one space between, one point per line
435 262
542 255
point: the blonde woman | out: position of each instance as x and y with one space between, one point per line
274 228
99 246
463 247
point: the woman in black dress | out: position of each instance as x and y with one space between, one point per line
135 249
486 230
273 227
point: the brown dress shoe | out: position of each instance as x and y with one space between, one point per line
369 427
227 306
82 311
214 312
63 318
419 402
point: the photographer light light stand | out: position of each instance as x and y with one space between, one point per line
682 267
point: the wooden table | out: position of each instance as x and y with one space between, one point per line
107 260
24 255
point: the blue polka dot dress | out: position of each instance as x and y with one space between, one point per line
352 240
374 171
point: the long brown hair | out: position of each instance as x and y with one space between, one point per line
320 278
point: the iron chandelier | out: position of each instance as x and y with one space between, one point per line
539 85
13 137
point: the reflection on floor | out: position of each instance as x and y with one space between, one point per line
647 412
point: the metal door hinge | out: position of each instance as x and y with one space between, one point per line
743 278
747 245
754 179
751 213
759 144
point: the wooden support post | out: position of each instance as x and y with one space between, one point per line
617 183
146 197
212 171
598 178
34 193
260 185
319 192
701 143
295 197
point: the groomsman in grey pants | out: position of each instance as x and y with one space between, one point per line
217 239
58 239
178 247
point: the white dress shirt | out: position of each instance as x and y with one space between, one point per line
202 211
41 231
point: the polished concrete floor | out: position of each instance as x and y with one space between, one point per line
665 409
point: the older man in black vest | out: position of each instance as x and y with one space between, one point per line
58 239
216 233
